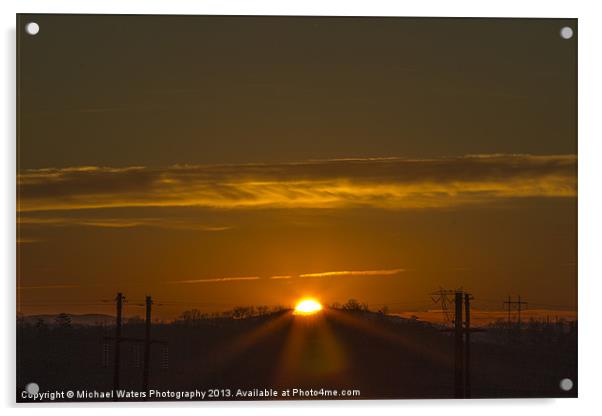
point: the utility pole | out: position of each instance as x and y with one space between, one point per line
458 349
147 341
520 303
462 330
119 303
467 386
147 344
519 306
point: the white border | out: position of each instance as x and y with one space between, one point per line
590 173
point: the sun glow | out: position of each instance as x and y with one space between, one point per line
307 307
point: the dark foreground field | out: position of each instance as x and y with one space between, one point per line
383 357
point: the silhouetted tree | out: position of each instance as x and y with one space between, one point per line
241 312
262 310
63 320
41 325
192 315
354 306
384 310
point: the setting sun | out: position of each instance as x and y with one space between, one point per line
307 307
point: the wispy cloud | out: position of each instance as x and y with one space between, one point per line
338 273
28 240
384 272
390 183
214 280
167 222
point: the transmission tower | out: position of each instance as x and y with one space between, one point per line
445 298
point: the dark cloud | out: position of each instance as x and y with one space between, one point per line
388 183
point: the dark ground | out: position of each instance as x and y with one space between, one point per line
383 357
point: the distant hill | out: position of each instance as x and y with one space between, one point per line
83 319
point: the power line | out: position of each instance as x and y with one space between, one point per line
516 304
119 300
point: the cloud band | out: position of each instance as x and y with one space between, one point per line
385 183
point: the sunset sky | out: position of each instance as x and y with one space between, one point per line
220 161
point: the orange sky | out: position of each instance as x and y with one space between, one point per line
375 159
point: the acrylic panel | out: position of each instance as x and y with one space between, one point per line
292 208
